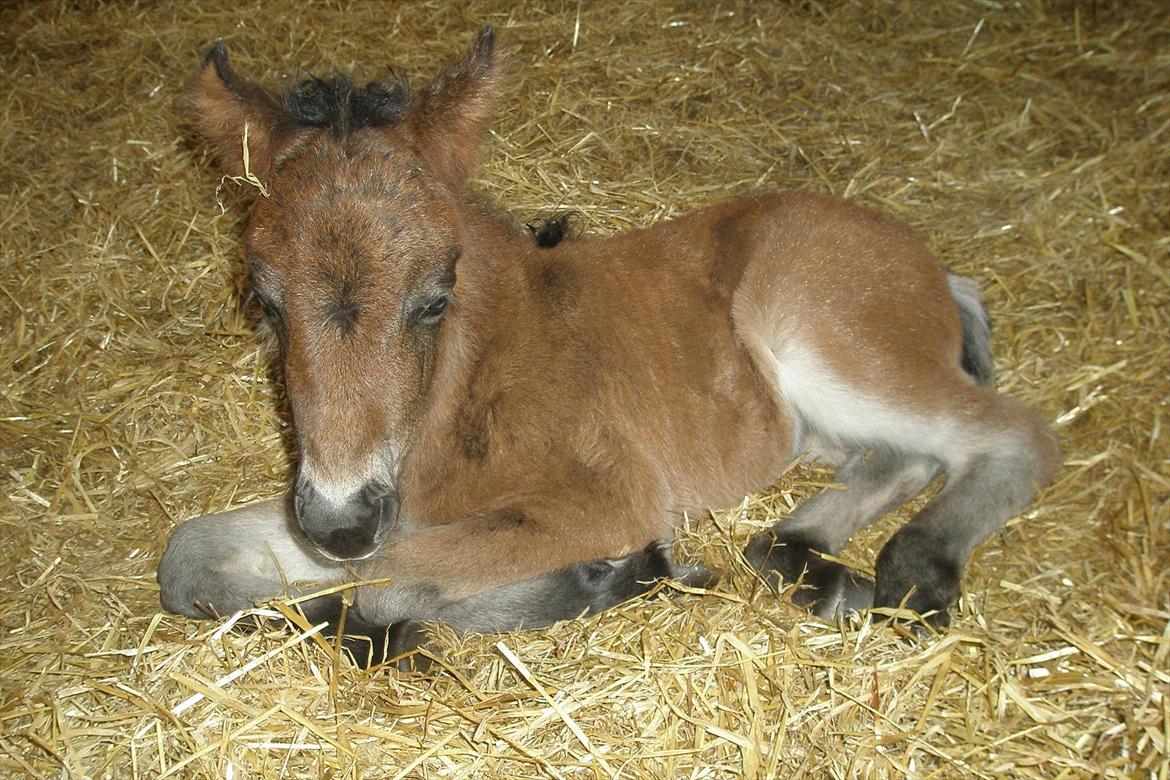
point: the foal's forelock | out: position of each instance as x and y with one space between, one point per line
339 104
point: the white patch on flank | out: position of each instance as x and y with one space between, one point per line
846 415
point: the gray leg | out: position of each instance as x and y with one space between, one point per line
582 588
217 564
570 592
922 563
875 482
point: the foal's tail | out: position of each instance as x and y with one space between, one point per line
976 358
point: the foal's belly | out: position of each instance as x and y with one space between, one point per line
745 440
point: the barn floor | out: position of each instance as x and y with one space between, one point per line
1028 141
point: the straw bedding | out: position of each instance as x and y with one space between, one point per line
1029 142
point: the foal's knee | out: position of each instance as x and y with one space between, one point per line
1045 452
1017 437
190 577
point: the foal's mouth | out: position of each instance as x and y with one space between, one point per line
324 553
352 529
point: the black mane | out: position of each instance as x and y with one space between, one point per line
341 105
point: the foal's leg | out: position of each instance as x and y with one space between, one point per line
436 567
865 338
578 589
475 575
874 483
565 594
993 469
220 563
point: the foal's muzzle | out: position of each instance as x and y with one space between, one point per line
349 529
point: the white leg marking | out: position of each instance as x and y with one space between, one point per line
232 559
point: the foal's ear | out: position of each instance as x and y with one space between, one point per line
226 105
448 119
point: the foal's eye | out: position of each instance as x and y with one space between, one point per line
432 312
270 309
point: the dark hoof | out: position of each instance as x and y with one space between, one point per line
919 622
827 589
911 576
696 575
371 644
409 647
852 592
402 645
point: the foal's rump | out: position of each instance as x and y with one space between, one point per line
866 337
850 317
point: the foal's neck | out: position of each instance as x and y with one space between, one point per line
491 271
490 282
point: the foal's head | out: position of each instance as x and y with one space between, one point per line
352 249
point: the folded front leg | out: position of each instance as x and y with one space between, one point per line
567 593
575 590
220 563
488 572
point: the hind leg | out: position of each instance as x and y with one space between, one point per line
994 453
874 483
1008 454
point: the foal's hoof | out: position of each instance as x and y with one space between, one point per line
408 647
695 575
911 577
919 621
828 589
401 644
929 612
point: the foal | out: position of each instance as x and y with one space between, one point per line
479 417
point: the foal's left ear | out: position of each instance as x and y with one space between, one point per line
448 120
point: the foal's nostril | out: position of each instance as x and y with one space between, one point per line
388 511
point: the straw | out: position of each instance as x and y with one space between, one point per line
1029 142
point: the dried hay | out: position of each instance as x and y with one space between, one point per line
1029 141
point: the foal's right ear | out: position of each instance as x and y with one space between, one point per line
227 106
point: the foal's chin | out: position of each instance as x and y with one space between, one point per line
328 554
